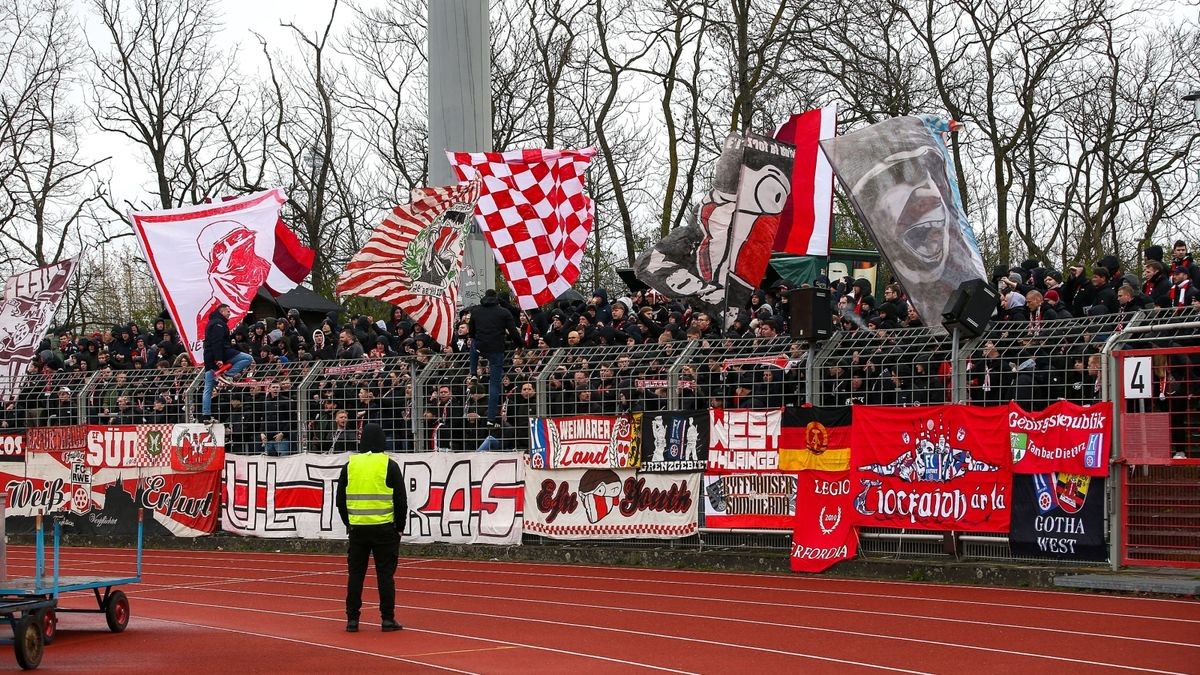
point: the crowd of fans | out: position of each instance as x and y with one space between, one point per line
624 348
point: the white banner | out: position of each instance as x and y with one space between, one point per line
452 498
212 254
610 504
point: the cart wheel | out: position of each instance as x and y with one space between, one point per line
49 620
28 642
116 611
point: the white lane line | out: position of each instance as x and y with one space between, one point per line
565 624
469 565
407 629
720 618
748 587
321 645
697 598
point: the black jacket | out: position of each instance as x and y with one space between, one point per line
216 340
490 323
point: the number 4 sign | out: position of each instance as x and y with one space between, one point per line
1139 380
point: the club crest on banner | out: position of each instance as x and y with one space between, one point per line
197 447
936 467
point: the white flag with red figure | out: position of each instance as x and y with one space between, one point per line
211 254
804 225
415 255
534 214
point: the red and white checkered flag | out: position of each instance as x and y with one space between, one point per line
414 257
535 215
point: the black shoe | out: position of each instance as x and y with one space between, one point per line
352 626
209 421
389 625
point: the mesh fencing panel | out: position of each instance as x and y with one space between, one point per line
907 366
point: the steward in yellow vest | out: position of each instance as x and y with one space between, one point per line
372 502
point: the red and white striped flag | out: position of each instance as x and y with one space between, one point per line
203 256
534 214
804 225
415 255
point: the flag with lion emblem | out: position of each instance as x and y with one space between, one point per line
415 255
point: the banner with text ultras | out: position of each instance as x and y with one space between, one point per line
583 442
96 478
610 504
462 499
943 467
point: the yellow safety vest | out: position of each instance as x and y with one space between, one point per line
368 497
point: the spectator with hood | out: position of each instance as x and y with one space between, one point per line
492 325
603 309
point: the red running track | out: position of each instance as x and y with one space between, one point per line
198 611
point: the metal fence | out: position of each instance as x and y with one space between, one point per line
441 401
1156 378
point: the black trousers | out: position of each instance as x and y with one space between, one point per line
383 542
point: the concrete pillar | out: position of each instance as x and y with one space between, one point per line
460 114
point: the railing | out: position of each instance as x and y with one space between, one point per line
440 401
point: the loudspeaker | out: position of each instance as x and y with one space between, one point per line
809 314
970 307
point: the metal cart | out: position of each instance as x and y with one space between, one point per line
30 604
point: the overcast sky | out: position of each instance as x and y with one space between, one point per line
130 176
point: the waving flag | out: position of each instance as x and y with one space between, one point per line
805 223
721 254
203 256
534 214
900 177
30 300
415 255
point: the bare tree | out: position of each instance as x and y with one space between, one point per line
46 188
753 41
387 47
310 149
163 84
1123 151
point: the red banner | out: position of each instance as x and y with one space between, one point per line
1064 437
93 499
824 533
932 468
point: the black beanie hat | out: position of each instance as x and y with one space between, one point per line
372 439
1154 253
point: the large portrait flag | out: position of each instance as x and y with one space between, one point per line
942 467
534 214
212 254
900 179
30 300
415 255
